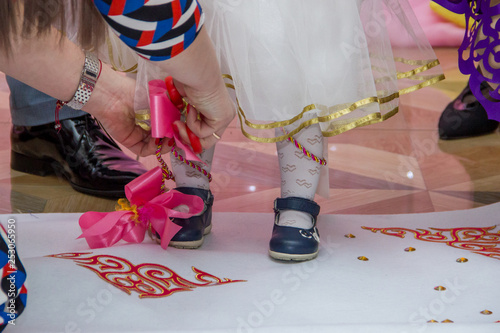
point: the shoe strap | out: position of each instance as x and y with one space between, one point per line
205 195
298 204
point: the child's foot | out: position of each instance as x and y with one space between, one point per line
299 241
296 219
194 229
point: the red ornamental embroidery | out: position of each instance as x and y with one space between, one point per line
148 280
477 240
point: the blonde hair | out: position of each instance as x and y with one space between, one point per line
40 15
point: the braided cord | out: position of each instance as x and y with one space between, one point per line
321 161
166 173
191 164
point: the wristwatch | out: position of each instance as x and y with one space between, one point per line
88 79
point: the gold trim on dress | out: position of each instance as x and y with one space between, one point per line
118 67
369 119
418 70
143 118
413 62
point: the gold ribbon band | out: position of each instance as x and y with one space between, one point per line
369 119
118 67
142 118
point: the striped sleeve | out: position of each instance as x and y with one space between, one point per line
155 29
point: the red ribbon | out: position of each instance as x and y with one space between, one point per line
163 114
148 207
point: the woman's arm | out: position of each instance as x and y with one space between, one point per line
198 76
171 33
54 66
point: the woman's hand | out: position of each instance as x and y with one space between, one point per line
112 103
53 65
211 113
197 76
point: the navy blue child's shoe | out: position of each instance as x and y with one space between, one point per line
195 228
289 243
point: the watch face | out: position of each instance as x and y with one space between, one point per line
90 73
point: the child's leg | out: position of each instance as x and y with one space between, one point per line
299 174
191 181
186 176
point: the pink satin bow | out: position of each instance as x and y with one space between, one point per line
147 207
163 115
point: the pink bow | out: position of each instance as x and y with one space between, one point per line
145 206
163 115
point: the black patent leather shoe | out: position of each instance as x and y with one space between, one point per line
81 152
194 229
463 119
290 243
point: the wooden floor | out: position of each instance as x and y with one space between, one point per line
399 166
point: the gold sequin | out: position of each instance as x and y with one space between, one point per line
462 259
447 321
410 249
440 288
349 236
433 321
363 258
486 312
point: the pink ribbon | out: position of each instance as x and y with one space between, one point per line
163 115
147 207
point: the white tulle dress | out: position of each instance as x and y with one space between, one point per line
298 62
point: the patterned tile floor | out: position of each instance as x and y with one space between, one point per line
399 166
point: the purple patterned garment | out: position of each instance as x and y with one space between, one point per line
481 48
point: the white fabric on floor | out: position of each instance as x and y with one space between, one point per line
391 292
